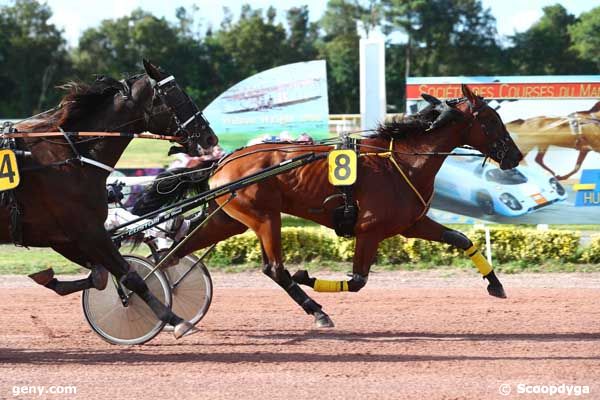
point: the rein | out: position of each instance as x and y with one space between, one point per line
87 134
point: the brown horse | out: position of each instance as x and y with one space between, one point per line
393 192
579 131
61 201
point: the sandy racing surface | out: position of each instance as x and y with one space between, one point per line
406 335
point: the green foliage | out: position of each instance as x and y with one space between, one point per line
517 247
591 254
33 58
530 245
446 37
585 36
253 42
546 47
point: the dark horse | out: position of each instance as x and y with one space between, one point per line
62 201
396 172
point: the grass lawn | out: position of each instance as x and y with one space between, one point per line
18 260
145 153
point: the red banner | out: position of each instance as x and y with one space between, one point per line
508 90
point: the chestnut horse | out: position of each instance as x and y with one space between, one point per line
579 131
61 200
396 172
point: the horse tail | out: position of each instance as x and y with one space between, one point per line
172 186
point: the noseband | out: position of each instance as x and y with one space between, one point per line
499 147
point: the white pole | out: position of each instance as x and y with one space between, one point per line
488 245
372 78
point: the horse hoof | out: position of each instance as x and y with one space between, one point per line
43 277
496 291
184 329
323 321
301 277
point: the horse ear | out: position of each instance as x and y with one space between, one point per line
151 70
447 115
434 101
472 97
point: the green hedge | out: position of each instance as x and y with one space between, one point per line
508 244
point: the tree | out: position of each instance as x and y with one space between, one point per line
546 47
340 48
253 43
33 58
445 37
117 47
585 38
302 37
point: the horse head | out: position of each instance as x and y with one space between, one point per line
485 130
169 110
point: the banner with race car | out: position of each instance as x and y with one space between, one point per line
555 121
282 103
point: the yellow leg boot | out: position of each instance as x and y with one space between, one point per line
495 287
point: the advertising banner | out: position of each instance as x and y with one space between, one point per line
281 103
555 122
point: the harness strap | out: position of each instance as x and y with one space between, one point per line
97 164
83 159
390 155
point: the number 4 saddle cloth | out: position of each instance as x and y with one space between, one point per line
9 180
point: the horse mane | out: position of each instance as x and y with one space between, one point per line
80 100
411 125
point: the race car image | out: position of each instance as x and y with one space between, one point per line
509 193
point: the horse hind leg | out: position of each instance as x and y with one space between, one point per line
97 279
364 256
282 277
268 229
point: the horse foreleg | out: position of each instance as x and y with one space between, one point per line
269 234
427 229
364 256
580 158
539 158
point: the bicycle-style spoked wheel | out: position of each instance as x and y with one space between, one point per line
191 288
122 317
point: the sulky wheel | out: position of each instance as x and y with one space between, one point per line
191 287
122 317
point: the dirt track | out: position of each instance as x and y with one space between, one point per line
406 335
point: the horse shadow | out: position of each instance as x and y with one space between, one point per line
204 352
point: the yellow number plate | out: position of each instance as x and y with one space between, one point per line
342 167
9 171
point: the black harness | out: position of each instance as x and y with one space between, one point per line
345 216
8 198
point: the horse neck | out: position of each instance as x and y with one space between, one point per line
422 168
109 150
105 150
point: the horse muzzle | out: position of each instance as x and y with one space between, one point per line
511 159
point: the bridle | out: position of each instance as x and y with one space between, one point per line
184 112
500 146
